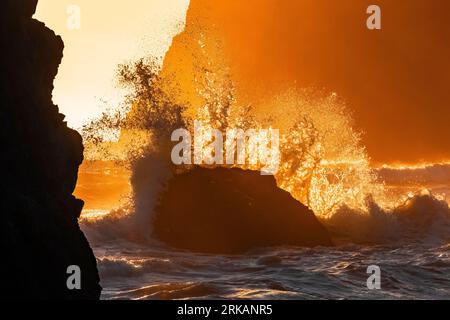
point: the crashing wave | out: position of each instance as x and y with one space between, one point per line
323 162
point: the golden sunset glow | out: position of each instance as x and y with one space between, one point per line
218 55
225 149
392 80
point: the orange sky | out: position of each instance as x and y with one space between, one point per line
395 80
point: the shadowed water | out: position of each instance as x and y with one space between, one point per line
415 271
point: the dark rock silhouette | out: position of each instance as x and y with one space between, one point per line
232 211
40 236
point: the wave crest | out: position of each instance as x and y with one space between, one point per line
421 218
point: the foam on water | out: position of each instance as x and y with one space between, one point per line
410 271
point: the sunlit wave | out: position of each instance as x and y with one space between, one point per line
323 162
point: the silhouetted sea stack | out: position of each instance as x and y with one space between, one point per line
232 211
40 155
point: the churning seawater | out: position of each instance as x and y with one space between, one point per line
412 249
413 271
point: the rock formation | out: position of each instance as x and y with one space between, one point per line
231 211
40 236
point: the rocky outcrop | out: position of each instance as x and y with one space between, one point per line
232 211
40 155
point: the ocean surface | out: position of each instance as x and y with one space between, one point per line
411 247
416 270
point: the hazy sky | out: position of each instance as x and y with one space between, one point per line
110 33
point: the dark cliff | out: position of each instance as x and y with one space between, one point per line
40 155
232 211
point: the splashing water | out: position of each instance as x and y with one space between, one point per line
323 163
